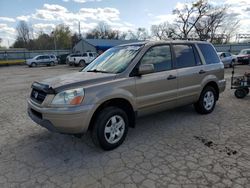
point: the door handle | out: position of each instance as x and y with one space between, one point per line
171 77
202 72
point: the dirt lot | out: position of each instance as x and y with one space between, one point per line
176 148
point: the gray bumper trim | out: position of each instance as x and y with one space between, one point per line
43 122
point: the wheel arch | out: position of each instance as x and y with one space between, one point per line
116 102
215 86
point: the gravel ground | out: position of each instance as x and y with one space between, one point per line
175 148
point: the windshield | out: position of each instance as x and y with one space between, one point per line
115 60
243 52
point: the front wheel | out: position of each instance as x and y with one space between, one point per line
207 101
110 128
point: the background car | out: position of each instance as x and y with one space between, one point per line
244 56
62 58
55 60
227 58
85 58
70 59
42 60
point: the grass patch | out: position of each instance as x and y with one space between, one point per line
12 62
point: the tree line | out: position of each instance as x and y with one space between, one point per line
199 20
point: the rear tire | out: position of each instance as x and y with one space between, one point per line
110 128
207 101
82 63
240 93
52 63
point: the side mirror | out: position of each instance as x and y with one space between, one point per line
146 69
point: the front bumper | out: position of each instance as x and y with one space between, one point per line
222 85
69 120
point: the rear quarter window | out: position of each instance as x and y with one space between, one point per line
209 53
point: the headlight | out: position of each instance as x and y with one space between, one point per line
69 97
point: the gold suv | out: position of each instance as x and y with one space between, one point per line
125 82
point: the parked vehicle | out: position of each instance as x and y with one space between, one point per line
54 58
48 60
62 58
84 59
70 59
125 82
227 58
244 56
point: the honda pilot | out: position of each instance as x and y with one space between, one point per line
125 82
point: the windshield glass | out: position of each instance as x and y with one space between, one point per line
243 52
114 60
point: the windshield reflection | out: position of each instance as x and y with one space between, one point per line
114 60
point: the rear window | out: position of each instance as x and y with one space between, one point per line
184 56
209 53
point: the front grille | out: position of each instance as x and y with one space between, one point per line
38 95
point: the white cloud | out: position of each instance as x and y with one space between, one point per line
23 18
7 19
8 34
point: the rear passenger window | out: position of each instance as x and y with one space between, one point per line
184 56
160 57
209 53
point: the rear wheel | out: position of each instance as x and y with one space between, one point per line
240 93
247 90
110 128
207 101
52 63
82 63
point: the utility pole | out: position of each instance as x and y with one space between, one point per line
54 36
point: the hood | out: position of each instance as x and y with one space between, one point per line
77 79
242 55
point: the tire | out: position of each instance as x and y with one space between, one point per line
33 64
108 120
247 90
240 93
52 63
82 63
207 101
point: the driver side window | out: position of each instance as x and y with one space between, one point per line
160 57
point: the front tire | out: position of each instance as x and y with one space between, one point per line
207 101
33 64
110 128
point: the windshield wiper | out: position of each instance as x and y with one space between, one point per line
95 70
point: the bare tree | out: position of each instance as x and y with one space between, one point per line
189 15
140 34
207 27
163 31
24 32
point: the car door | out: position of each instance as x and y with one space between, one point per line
158 90
39 60
190 73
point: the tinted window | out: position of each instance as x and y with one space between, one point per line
160 57
90 55
84 55
209 53
46 57
76 55
184 56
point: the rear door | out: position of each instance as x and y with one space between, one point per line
158 90
190 73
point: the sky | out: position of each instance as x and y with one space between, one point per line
44 15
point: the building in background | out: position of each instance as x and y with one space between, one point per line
98 45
